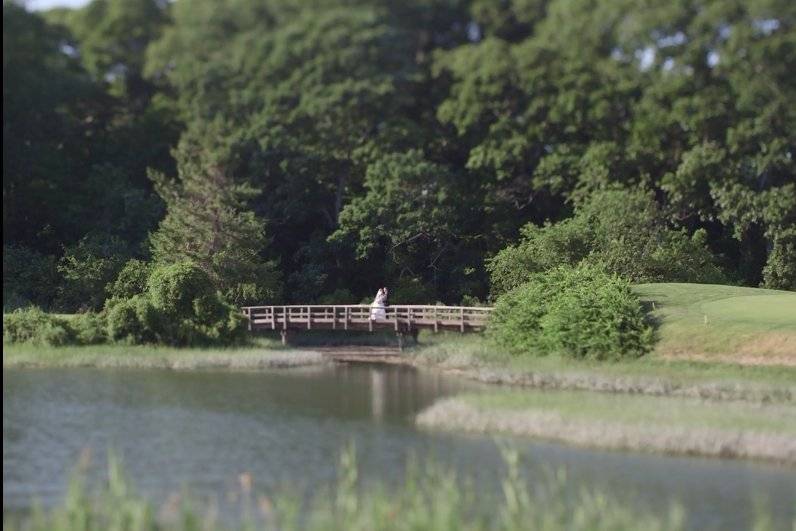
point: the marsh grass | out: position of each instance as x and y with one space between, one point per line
430 498
260 352
660 424
646 411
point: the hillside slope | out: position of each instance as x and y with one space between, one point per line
722 323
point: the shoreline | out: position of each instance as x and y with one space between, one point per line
649 386
664 379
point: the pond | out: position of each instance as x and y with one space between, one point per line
202 429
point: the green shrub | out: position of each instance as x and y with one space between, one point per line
32 325
124 324
179 306
88 328
130 281
580 312
173 288
601 320
780 270
87 268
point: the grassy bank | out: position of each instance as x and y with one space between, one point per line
722 323
661 424
719 342
262 353
475 357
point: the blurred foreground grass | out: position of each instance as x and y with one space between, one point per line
430 498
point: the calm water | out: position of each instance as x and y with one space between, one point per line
202 429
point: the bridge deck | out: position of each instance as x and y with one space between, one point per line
401 318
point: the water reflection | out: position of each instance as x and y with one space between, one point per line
378 392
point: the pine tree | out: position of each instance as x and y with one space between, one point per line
208 222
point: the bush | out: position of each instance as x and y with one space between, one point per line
780 270
129 321
174 288
87 268
580 312
178 307
88 328
131 280
34 326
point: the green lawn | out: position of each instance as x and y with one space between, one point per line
725 323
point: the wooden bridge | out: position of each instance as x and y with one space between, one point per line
402 319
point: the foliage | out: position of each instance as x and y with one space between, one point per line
413 211
32 325
179 306
130 281
209 224
88 328
87 268
623 231
780 270
409 290
130 320
301 149
29 277
580 312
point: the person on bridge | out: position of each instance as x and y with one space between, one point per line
378 308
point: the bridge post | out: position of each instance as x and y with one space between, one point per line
400 336
283 333
461 316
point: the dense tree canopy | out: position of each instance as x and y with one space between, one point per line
302 151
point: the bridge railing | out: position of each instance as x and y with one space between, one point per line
358 317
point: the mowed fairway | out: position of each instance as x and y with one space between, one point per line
723 323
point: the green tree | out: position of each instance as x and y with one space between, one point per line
624 232
420 214
208 223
